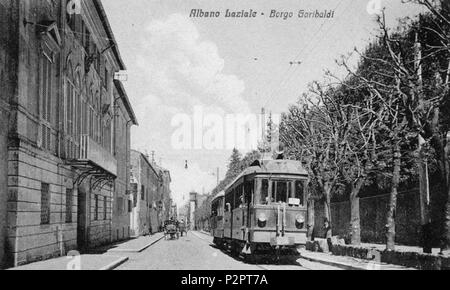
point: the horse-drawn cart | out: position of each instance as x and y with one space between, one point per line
171 230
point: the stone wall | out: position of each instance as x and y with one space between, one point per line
8 79
28 239
373 218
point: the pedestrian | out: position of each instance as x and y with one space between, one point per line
328 233
182 227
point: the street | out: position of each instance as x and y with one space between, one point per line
196 252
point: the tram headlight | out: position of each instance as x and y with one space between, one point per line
262 220
300 221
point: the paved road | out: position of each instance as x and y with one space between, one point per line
196 252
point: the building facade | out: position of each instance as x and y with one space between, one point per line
164 200
122 203
68 133
7 78
195 202
145 180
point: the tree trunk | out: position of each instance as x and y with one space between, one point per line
424 198
311 217
327 208
446 238
390 220
355 221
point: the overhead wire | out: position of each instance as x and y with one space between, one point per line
315 41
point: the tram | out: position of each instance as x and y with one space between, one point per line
263 211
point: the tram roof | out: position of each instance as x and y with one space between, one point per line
276 167
219 195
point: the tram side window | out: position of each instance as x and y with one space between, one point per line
233 199
300 191
240 199
214 209
220 208
249 191
237 197
282 191
228 200
265 192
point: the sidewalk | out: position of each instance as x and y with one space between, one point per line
400 248
136 245
83 262
103 258
348 263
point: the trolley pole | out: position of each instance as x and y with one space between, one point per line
218 176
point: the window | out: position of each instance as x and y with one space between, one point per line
300 191
129 206
71 119
70 90
249 191
265 192
105 208
235 202
105 76
239 198
46 91
142 192
76 24
86 40
71 18
120 205
281 191
228 200
214 208
96 208
45 204
69 204
84 121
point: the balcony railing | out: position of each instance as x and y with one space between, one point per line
91 151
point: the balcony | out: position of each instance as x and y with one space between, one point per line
93 153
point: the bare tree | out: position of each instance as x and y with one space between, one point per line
438 27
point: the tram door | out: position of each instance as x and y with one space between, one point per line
238 215
249 189
227 230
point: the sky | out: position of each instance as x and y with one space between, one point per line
190 79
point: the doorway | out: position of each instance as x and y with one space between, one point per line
82 219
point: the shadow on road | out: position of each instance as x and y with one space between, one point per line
105 248
261 259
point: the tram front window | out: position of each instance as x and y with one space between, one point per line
265 192
282 191
299 191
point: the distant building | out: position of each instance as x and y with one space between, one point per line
64 153
122 204
164 200
174 212
145 180
195 201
